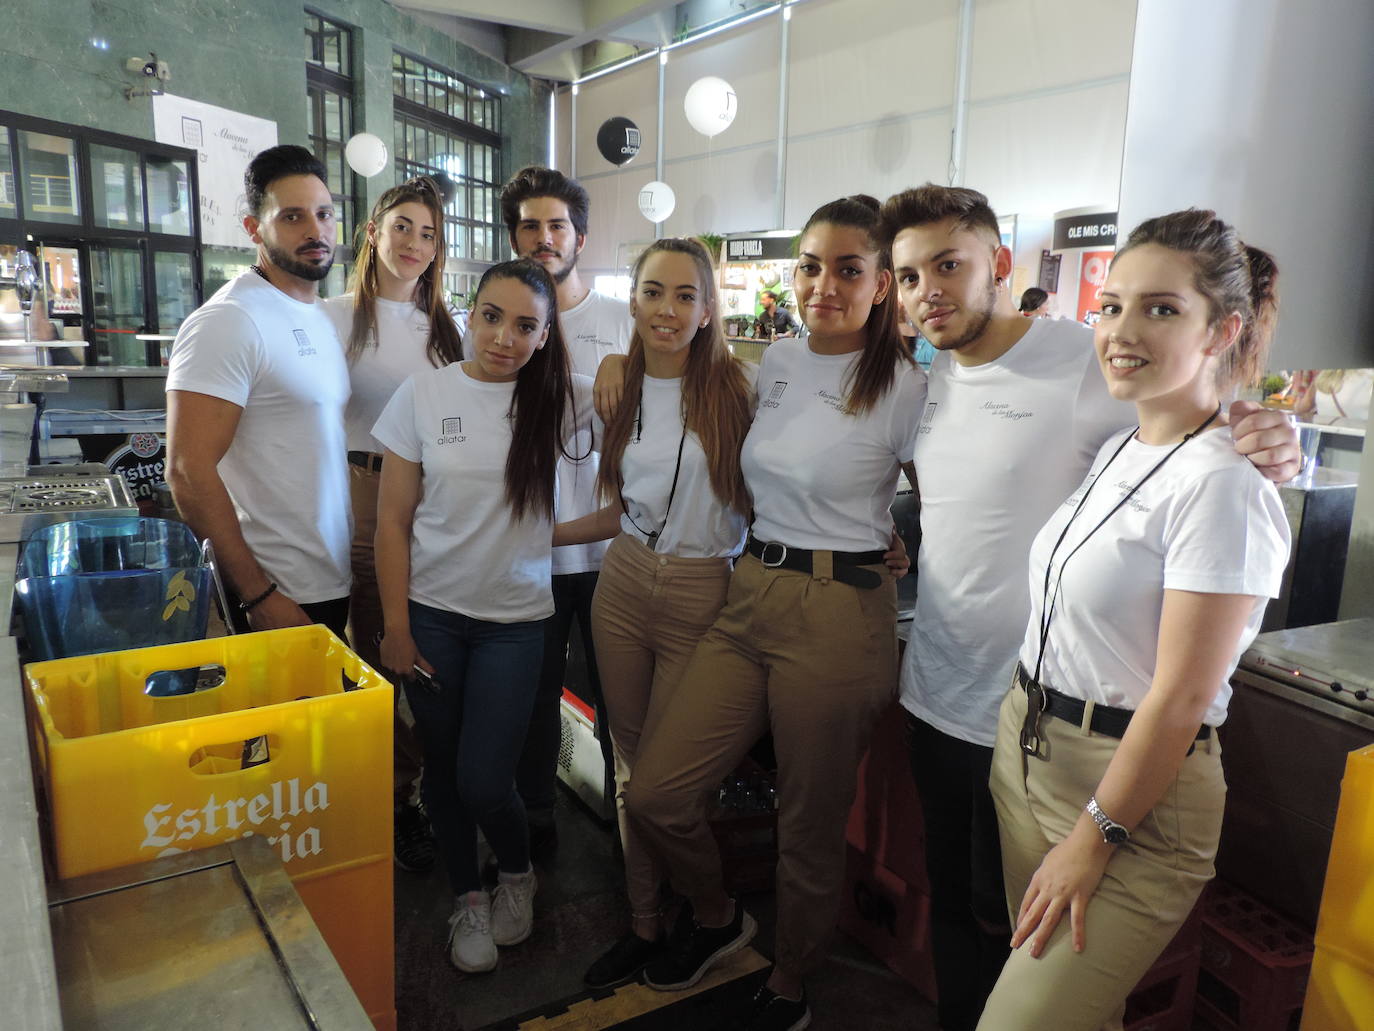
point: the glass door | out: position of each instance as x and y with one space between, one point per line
118 313
174 282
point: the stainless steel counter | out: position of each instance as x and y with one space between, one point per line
28 978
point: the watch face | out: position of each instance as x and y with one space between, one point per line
1115 834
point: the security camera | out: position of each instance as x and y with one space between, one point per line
149 69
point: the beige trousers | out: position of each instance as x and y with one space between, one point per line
365 623
813 659
1147 891
648 614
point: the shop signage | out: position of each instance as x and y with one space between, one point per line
758 248
1095 231
1049 272
142 461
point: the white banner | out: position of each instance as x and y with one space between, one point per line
226 141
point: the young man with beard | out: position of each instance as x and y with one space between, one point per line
1016 411
546 215
255 411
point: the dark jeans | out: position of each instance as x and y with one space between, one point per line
471 728
969 929
537 775
333 614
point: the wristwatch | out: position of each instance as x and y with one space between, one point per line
1112 832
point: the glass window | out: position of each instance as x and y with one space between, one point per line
48 171
327 44
8 195
116 188
169 195
175 281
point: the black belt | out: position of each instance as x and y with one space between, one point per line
846 566
1042 700
365 460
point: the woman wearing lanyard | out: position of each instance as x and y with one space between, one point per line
393 323
806 643
1147 585
670 465
464 545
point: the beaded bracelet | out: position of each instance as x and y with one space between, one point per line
248 606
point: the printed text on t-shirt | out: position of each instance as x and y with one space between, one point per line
1006 411
451 431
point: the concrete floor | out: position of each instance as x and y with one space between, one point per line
579 910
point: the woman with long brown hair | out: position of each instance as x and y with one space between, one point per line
393 322
464 548
670 469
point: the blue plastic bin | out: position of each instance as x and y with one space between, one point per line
112 584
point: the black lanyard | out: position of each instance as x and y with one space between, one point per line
672 491
1048 600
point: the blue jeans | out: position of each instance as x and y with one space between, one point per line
472 729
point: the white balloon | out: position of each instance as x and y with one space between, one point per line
366 154
656 201
710 105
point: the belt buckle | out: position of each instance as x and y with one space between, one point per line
1031 741
763 557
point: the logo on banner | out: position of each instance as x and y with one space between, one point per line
142 461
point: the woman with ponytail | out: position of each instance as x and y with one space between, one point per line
1146 587
393 323
805 644
464 549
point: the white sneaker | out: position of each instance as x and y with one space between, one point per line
512 907
470 944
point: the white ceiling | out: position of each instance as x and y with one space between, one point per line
546 37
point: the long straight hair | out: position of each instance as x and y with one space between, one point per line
445 344
541 407
884 349
715 393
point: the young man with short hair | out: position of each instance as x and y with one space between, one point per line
1016 411
546 216
255 411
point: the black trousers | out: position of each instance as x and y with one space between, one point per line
537 775
969 928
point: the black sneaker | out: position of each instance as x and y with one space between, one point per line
769 1011
412 840
622 961
689 957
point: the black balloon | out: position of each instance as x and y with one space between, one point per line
618 140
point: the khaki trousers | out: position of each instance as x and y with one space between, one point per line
365 623
1147 891
648 615
813 659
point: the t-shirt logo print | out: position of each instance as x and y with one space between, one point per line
304 349
451 431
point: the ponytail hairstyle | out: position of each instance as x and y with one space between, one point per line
445 344
542 404
1230 275
884 348
715 393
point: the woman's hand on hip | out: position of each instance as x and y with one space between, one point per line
1067 879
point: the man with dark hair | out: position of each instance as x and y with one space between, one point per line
1016 412
773 322
546 215
255 405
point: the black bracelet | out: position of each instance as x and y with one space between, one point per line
248 606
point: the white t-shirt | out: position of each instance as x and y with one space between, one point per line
1207 521
822 479
401 349
999 447
596 326
468 554
286 470
699 525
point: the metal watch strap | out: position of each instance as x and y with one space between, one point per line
1113 833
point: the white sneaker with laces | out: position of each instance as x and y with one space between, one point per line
470 944
512 907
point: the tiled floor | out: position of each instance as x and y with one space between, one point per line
579 910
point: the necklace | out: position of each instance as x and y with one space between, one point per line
1048 600
672 491
259 271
